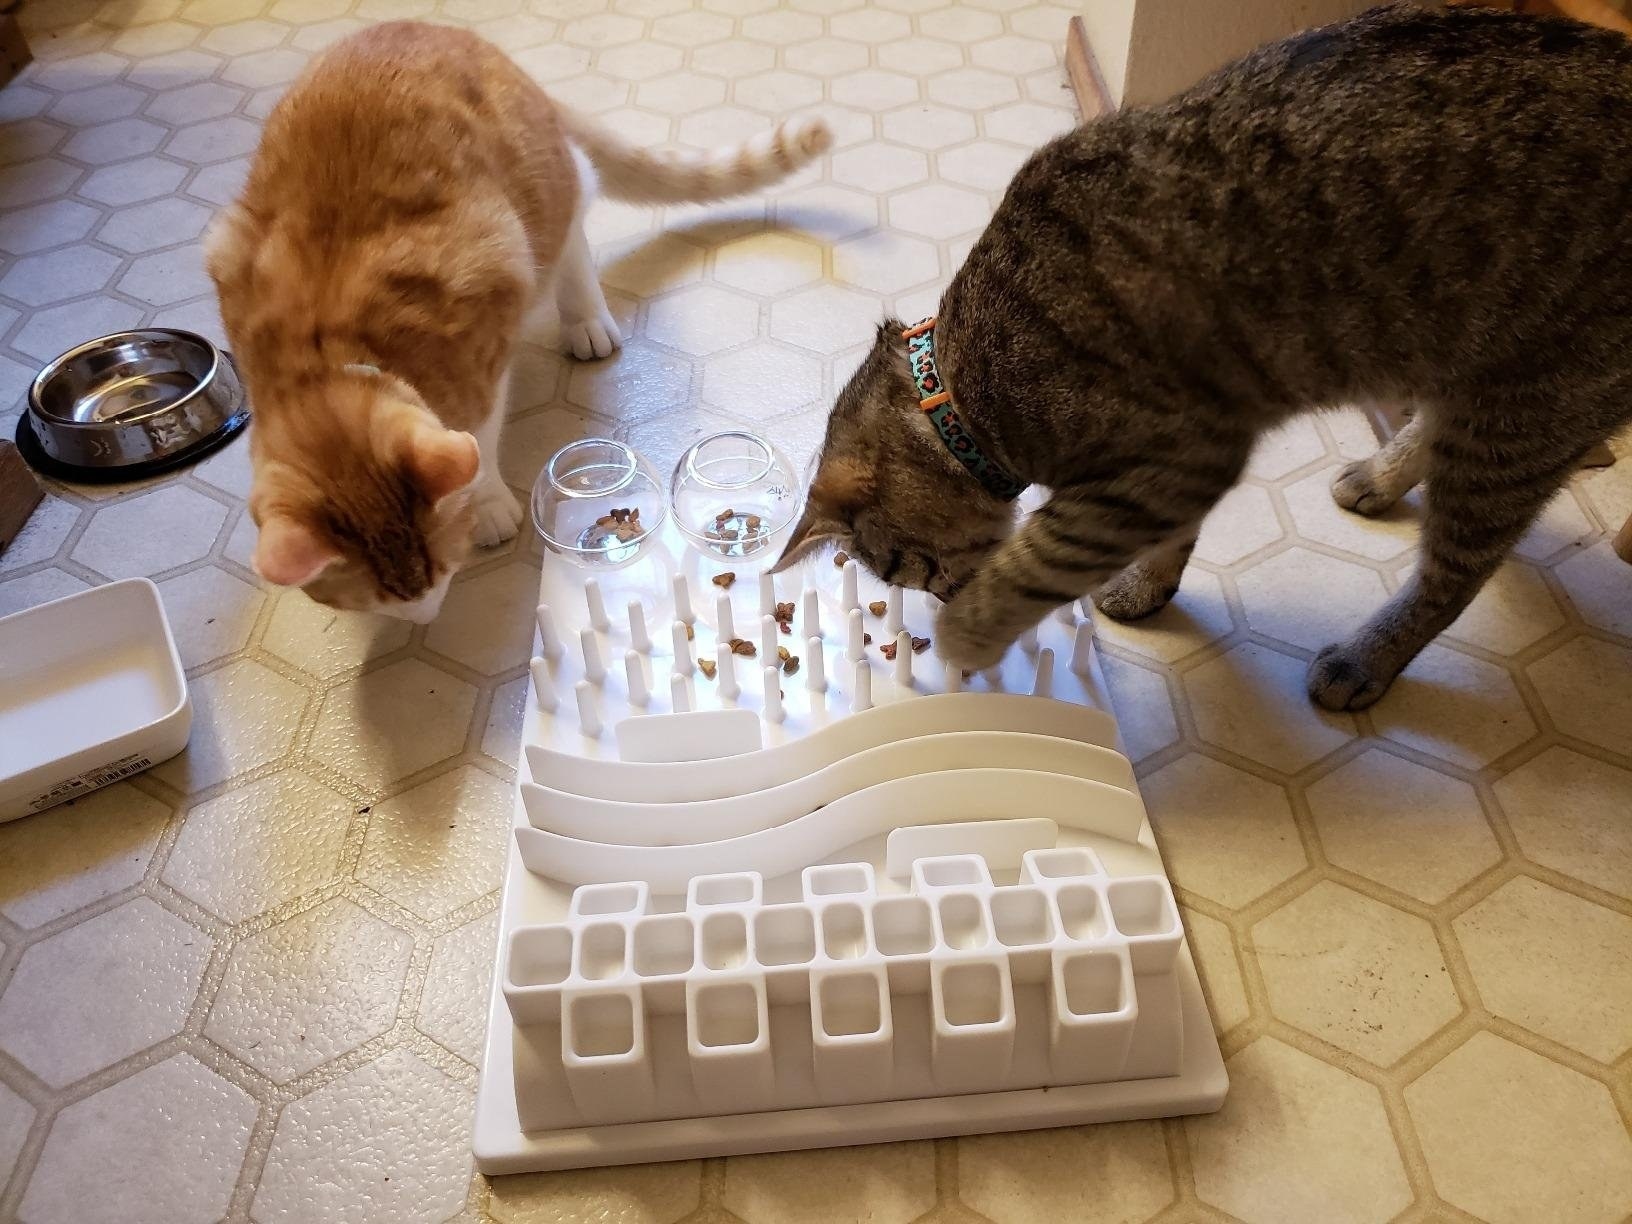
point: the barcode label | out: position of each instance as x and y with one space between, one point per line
92 779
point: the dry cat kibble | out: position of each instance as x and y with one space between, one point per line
866 639
691 634
839 558
723 517
743 647
919 645
877 607
783 653
724 581
791 665
708 667
887 650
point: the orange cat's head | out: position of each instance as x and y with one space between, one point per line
363 498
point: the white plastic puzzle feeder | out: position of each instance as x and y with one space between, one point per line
770 889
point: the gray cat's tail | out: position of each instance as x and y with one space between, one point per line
641 176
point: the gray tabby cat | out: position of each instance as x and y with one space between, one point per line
1433 207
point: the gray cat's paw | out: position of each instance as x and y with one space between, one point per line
1134 593
1356 489
1338 681
964 644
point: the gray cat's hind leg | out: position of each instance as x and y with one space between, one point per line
1483 491
1370 486
1149 584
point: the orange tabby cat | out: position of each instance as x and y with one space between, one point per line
414 194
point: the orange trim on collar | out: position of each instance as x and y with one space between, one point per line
918 329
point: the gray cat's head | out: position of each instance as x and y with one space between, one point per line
886 489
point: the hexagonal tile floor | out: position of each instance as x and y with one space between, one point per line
250 985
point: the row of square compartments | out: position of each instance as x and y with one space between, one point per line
865 1041
1064 901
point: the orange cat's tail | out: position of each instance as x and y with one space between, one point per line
641 176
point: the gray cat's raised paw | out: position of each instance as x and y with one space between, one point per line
1133 594
1356 489
1338 682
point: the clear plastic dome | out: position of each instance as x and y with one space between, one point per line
735 496
598 503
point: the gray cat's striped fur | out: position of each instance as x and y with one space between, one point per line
1413 205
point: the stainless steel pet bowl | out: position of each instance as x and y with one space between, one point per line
131 404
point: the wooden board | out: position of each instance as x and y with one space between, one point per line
19 493
14 52
1093 99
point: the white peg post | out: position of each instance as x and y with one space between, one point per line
861 691
549 637
637 628
893 616
724 625
773 694
767 638
851 597
1043 686
767 594
635 674
589 717
812 614
815 681
954 678
1081 645
682 601
725 673
597 605
855 645
594 669
543 687
682 648
903 659
679 696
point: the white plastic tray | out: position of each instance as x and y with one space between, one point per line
91 691
704 876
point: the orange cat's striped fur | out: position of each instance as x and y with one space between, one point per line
414 194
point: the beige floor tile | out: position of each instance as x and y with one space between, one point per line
1456 707
256 847
1307 599
1571 813
16 1116
1197 616
1148 725
393 722
1389 535
1575 990
1512 1138
1512 611
1596 581
324 642
162 1147
1253 701
51 865
37 588
386 1141
1224 834
486 621
1087 1175
151 533
1242 522
1213 948
887 1184
1402 825
309 989
1354 972
84 998
211 613
244 716
439 845
645 1194
1580 687
1297 1140
453 1005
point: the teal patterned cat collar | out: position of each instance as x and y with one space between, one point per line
936 402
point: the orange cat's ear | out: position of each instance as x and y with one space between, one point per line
289 553
442 461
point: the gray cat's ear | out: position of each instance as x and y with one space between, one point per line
814 529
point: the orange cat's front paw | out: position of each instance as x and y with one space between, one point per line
587 339
498 516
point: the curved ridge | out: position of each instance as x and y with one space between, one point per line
932 714
947 796
685 823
